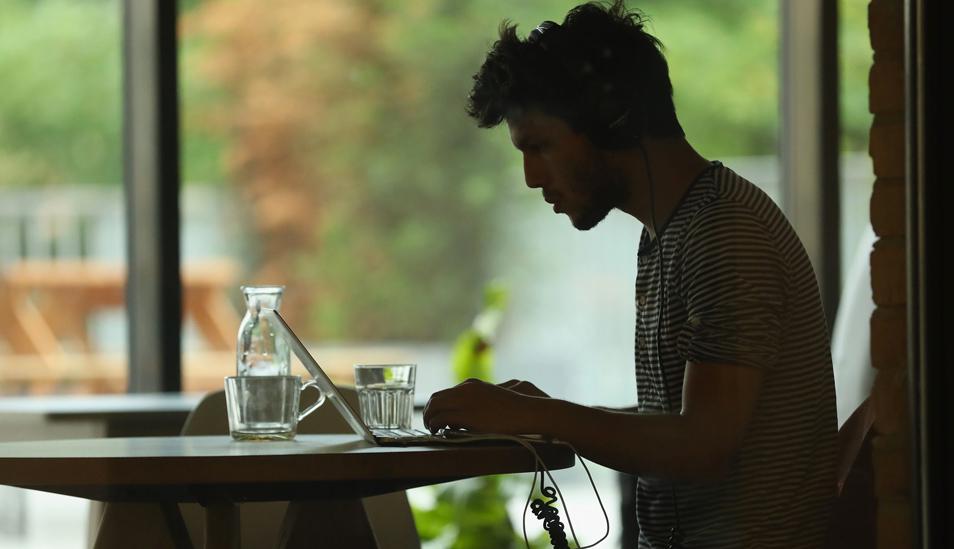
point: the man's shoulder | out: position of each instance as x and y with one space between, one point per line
733 204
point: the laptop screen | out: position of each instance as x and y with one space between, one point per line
324 382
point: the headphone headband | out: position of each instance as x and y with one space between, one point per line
536 35
613 125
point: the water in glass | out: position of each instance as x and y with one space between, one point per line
385 394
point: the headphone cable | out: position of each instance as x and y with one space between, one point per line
541 469
675 534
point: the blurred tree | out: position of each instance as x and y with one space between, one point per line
269 93
61 101
341 127
370 199
372 193
855 60
723 62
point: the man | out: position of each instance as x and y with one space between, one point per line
734 438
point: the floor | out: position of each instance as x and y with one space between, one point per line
38 520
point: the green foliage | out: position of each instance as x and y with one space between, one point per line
473 354
472 514
724 69
398 193
61 102
469 514
855 59
61 106
424 183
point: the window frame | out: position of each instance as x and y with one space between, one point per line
152 181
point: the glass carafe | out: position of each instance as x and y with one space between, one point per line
261 351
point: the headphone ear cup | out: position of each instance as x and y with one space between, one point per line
616 125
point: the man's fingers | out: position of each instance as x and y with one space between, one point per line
431 410
440 403
449 419
451 407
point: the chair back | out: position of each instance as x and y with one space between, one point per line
852 522
851 440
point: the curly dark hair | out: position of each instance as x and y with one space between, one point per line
600 71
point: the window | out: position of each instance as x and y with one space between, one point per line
857 177
325 148
62 246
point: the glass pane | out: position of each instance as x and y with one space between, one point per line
326 149
62 236
855 58
62 245
850 349
851 336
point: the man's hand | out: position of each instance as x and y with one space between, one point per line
523 387
483 407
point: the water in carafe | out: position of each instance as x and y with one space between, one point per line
260 350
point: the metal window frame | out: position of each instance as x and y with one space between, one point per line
809 140
930 268
151 179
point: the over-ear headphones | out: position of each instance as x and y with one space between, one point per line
616 126
611 121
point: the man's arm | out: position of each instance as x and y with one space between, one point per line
527 388
697 443
626 409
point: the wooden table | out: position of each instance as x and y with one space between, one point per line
85 416
94 416
218 472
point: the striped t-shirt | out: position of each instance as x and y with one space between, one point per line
738 289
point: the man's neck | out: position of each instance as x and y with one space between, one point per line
673 165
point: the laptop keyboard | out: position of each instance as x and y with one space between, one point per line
401 433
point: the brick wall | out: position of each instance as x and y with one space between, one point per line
888 275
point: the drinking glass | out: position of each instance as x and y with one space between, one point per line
266 407
385 394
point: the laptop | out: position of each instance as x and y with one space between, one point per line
382 437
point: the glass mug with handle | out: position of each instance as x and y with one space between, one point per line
267 407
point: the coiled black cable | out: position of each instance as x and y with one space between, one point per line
545 511
541 468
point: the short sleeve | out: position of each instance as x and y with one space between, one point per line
730 276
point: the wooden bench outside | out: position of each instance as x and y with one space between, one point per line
46 307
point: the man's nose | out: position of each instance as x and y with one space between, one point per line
533 172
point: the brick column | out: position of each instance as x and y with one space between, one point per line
888 276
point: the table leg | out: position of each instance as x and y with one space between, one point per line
222 526
334 523
175 525
156 525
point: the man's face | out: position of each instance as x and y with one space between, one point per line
565 165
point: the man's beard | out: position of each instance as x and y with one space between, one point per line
604 194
